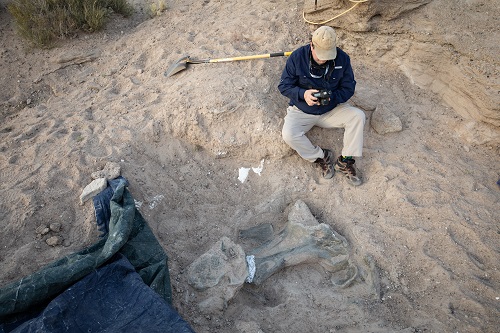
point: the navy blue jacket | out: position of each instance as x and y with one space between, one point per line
296 79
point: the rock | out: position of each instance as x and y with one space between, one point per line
248 327
478 133
111 170
88 114
471 96
42 230
55 227
54 241
384 121
361 19
92 189
365 98
74 58
135 81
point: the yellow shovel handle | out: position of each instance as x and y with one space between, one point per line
258 56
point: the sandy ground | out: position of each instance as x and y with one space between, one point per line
427 216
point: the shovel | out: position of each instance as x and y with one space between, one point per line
182 63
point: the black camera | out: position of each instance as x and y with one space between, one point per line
323 96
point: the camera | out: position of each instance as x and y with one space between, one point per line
323 96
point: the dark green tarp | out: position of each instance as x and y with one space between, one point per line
128 239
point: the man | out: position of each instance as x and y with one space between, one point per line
318 79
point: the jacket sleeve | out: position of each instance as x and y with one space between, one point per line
289 82
347 84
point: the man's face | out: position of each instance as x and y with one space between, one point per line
315 57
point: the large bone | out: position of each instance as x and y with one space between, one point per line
303 240
219 273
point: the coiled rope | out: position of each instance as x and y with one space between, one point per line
356 3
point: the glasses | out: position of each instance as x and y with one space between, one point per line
317 71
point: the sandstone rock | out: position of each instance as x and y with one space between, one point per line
479 133
73 58
55 227
248 327
54 241
42 230
365 98
384 121
95 187
361 18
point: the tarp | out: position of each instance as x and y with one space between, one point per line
119 284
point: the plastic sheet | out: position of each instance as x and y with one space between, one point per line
67 291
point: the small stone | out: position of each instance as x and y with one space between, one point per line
54 241
135 81
55 227
93 189
88 114
42 230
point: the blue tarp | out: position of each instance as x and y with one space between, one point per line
119 284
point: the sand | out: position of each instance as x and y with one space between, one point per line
425 222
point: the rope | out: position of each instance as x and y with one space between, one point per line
356 3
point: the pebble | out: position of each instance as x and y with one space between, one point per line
56 227
42 230
92 189
54 241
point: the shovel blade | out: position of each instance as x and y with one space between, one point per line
177 66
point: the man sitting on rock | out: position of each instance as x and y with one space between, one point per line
318 79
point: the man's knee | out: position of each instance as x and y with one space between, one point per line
358 115
287 135
292 138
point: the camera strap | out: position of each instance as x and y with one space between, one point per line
330 70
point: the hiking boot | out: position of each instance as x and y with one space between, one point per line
326 164
347 168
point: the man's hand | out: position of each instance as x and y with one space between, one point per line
309 98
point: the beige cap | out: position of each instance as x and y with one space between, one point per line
324 40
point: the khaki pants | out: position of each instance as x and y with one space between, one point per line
298 123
